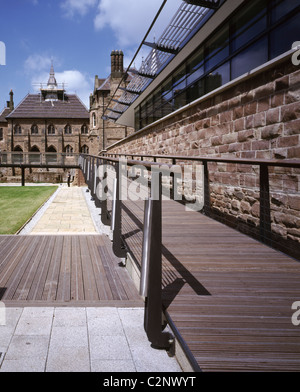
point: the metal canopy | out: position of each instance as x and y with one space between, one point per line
186 21
205 3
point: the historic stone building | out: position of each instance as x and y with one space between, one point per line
104 132
51 121
4 123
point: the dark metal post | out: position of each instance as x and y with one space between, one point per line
118 247
104 191
206 189
265 217
23 175
151 279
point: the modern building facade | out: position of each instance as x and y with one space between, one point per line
228 87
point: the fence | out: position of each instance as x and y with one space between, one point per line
130 191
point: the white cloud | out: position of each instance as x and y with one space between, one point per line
130 19
81 7
36 63
37 67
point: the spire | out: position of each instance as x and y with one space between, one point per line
52 81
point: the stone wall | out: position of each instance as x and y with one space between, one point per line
256 117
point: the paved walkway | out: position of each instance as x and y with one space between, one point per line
76 339
68 213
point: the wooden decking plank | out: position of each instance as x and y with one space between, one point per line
103 287
110 279
89 281
64 282
51 283
38 283
16 268
77 288
31 271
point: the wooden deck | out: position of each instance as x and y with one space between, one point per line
67 270
228 295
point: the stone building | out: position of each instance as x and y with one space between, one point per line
51 121
104 132
4 123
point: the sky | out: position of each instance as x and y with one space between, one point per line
77 35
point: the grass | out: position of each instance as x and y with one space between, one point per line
18 204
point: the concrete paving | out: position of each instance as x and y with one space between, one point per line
54 339
77 339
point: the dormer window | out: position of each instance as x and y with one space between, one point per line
18 129
51 129
68 129
84 130
34 129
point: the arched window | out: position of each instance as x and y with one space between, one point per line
34 129
18 149
51 129
51 149
68 129
69 150
94 120
34 149
17 156
84 129
18 129
85 149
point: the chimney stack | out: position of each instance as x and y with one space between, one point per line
117 57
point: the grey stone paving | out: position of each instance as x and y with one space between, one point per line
79 340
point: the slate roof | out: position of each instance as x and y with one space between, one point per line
3 114
33 107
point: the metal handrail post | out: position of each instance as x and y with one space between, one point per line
118 247
151 278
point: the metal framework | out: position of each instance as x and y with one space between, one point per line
186 21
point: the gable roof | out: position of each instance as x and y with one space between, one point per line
33 106
3 115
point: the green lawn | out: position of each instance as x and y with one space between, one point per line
18 204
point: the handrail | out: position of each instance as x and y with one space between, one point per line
152 250
270 162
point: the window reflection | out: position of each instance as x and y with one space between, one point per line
248 40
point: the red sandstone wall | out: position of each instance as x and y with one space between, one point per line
258 118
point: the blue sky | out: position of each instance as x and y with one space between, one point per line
78 35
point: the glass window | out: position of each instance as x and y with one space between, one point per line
217 48
195 91
84 129
217 78
68 129
34 130
290 31
18 129
282 7
248 23
1 133
250 58
179 77
167 89
51 129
